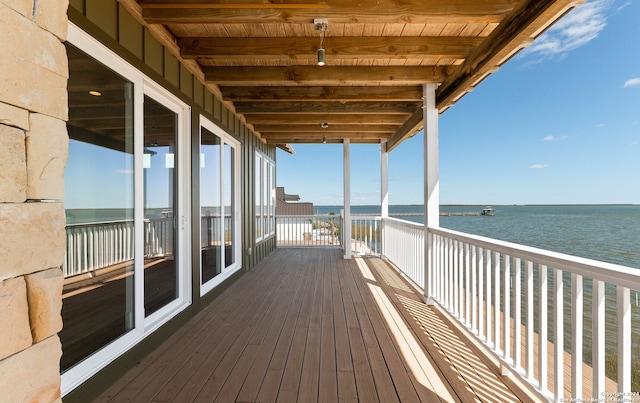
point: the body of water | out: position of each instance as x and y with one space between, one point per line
609 233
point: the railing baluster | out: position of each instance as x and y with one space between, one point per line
488 297
496 302
467 284
576 335
481 295
543 369
517 313
558 344
624 340
598 338
474 296
506 324
529 339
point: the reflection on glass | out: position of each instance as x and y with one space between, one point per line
257 196
210 202
98 299
160 268
229 207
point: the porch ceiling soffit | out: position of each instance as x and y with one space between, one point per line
260 58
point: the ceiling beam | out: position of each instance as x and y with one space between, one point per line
517 31
306 118
337 11
334 128
398 108
318 93
254 49
325 75
410 127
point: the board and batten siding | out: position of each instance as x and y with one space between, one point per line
110 23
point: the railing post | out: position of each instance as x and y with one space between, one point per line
431 180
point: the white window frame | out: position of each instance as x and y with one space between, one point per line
267 186
142 85
225 139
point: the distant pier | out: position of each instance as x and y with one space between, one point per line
460 213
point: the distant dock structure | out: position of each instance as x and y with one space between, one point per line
487 211
459 213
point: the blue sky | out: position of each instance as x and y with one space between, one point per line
558 124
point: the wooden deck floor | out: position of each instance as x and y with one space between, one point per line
305 325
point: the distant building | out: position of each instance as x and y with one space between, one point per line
291 205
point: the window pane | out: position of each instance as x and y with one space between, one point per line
210 211
265 196
160 268
229 207
98 290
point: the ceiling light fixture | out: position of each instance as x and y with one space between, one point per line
324 140
95 93
321 24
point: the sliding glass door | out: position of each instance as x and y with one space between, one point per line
219 198
126 200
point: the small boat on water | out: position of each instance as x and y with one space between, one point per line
488 211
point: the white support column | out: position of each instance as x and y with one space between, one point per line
384 179
431 182
346 230
384 192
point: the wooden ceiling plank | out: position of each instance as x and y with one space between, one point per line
325 75
317 93
336 48
337 11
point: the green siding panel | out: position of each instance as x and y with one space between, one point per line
153 53
198 93
130 33
217 108
172 69
208 102
78 5
104 13
186 81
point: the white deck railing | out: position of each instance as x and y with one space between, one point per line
308 230
94 246
467 277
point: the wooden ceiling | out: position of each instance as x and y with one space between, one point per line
261 56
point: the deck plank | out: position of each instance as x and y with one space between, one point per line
305 325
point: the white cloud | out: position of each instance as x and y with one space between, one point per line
554 138
539 166
124 171
632 82
581 25
548 138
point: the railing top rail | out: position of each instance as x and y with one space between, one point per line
609 272
404 222
99 223
308 216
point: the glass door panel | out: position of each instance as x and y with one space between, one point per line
211 206
98 292
160 194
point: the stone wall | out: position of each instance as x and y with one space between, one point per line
33 153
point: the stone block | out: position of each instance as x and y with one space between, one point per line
32 238
52 16
32 375
34 66
44 294
13 165
14 310
24 7
47 151
12 116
